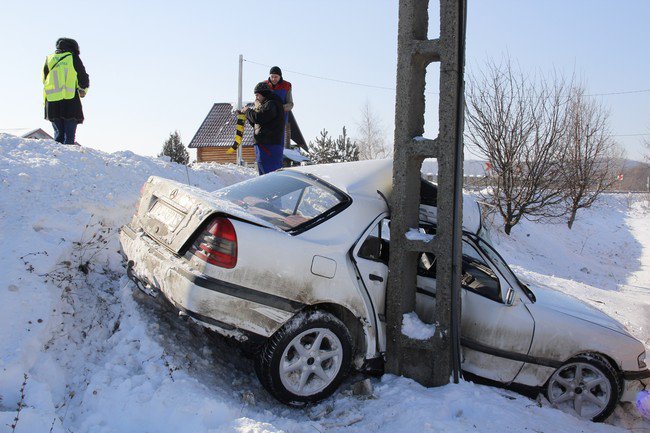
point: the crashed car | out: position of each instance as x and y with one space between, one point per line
295 263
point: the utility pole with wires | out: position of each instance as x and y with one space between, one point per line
431 361
240 161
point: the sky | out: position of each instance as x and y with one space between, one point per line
158 66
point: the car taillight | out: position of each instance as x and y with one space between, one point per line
217 244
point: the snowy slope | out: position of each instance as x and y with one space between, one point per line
81 350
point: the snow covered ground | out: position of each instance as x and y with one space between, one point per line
81 350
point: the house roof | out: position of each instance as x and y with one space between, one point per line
37 133
296 135
218 129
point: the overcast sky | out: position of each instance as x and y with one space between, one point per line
158 66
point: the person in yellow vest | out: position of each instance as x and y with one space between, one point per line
65 81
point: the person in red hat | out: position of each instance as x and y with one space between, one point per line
282 88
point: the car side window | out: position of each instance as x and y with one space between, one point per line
477 276
314 202
376 245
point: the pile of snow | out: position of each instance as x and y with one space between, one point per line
415 235
415 328
82 350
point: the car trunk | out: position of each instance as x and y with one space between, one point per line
171 212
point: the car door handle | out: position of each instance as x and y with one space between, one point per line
375 277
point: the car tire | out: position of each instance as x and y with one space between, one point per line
306 360
586 385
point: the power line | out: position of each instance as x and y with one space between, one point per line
625 92
630 135
619 93
328 79
436 93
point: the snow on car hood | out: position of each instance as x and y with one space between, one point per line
566 304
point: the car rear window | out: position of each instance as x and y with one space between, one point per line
288 200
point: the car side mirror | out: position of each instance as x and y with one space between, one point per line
510 297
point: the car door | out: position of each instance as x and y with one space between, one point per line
371 257
495 335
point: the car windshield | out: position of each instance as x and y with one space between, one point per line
286 199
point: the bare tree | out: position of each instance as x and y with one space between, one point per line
592 158
371 139
517 124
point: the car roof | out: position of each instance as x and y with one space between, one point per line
355 178
365 178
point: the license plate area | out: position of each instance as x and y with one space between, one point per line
166 214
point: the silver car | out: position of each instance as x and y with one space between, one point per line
294 264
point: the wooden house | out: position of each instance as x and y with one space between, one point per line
217 134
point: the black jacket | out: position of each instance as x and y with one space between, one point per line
268 120
68 108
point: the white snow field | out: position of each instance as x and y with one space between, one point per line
82 350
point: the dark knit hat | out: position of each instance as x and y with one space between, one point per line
276 70
262 88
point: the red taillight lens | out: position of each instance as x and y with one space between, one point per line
217 244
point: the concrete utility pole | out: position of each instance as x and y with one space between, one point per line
431 361
240 161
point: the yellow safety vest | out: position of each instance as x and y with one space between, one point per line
61 81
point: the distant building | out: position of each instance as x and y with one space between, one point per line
217 134
37 134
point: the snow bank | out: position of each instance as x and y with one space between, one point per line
82 350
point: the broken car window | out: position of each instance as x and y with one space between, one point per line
285 199
376 246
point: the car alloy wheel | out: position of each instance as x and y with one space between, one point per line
307 359
586 385
311 361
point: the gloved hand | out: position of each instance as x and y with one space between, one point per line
82 93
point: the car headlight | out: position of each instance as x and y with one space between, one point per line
641 360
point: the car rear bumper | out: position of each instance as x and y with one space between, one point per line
225 307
